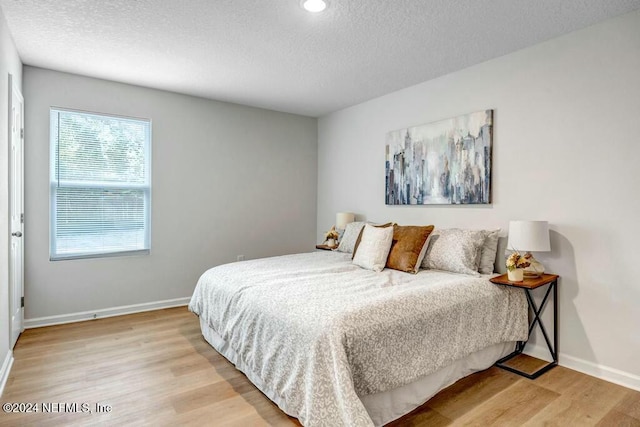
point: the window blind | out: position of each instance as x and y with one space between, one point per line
100 184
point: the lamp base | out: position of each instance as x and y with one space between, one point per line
535 270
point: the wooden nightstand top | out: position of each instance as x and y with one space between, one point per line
325 247
545 279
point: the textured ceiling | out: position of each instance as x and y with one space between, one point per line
273 54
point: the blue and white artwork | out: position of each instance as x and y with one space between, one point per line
445 162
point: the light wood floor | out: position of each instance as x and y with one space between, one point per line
155 368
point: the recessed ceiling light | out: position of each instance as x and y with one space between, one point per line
314 5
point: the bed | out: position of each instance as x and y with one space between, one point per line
334 344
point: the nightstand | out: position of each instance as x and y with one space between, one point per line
550 280
325 247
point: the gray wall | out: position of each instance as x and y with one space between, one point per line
9 64
566 150
226 180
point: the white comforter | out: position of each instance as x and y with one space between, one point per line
314 331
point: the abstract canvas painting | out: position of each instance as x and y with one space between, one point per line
445 162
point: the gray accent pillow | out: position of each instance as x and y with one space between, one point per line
488 251
349 237
455 250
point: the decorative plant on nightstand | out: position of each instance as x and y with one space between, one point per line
516 264
331 237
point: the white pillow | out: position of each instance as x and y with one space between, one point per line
488 251
349 237
374 247
455 250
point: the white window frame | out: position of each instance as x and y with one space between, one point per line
54 183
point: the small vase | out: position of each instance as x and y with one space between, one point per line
331 243
515 275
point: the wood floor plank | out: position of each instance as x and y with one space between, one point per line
559 379
513 406
422 417
618 419
595 392
470 392
202 396
231 411
155 369
566 411
630 404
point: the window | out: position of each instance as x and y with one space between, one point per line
100 184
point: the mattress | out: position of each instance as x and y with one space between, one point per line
319 335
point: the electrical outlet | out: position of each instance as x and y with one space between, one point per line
240 258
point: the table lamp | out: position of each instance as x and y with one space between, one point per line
530 236
344 218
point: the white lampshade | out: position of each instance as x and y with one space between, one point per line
529 236
344 218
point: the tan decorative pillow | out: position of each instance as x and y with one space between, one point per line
355 246
373 250
408 247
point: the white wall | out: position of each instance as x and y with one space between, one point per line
226 180
9 64
566 149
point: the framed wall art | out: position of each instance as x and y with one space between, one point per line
444 162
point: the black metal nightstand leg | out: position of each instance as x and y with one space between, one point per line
555 320
536 318
537 312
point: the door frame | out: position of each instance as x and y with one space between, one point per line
16 301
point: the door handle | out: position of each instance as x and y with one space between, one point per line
17 234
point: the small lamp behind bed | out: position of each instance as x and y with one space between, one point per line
342 219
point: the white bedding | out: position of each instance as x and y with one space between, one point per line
315 332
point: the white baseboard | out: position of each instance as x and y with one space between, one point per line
5 370
605 373
39 322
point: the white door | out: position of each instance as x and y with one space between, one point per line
16 195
